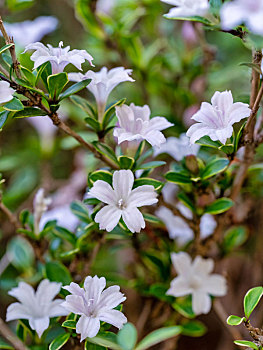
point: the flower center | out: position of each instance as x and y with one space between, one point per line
195 283
121 204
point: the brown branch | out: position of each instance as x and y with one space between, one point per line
12 50
12 217
11 337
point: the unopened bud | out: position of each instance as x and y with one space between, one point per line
191 164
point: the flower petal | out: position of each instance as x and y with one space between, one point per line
142 195
17 311
122 183
182 262
201 302
39 325
133 219
111 297
103 192
93 288
203 266
88 327
108 217
114 317
75 289
179 287
216 285
75 304
47 291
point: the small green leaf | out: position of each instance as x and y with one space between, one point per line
14 105
105 150
30 77
81 211
100 175
125 162
3 118
235 320
152 219
74 89
57 272
178 178
127 337
95 125
107 339
251 300
84 105
29 112
151 165
214 167
227 149
20 253
234 237
63 233
254 66
206 141
192 19
219 206
194 329
238 137
4 345
158 336
43 72
89 346
110 112
69 324
56 84
246 343
147 181
58 342
6 47
183 305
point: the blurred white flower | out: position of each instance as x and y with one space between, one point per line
187 8
122 201
177 147
105 6
40 206
94 304
216 120
195 278
178 228
102 83
36 307
238 12
135 124
28 32
63 215
59 57
169 192
6 92
46 130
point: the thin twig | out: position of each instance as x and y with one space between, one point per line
12 217
11 337
12 50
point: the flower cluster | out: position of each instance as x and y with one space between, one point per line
187 8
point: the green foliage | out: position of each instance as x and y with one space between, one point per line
74 89
235 320
127 337
71 324
107 339
194 328
20 253
60 341
247 344
252 299
5 47
14 105
56 84
234 237
158 336
57 272
214 167
219 206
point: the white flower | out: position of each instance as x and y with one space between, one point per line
36 307
28 32
122 201
94 305
59 57
6 92
135 124
195 278
238 12
40 206
178 228
105 6
63 215
102 83
216 120
178 148
187 8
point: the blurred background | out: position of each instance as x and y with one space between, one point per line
176 66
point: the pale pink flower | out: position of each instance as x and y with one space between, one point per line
187 8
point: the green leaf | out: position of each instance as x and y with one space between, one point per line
254 66
27 85
57 272
251 300
194 329
110 112
3 118
89 346
234 237
105 150
158 336
14 105
125 162
238 137
69 324
235 320
100 175
58 342
29 112
178 178
107 339
4 345
43 72
147 181
6 47
219 206
56 84
29 76
74 89
151 165
84 105
214 167
183 305
63 233
248 344
206 141
192 19
127 337
95 125
80 210
152 219
227 149
20 253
